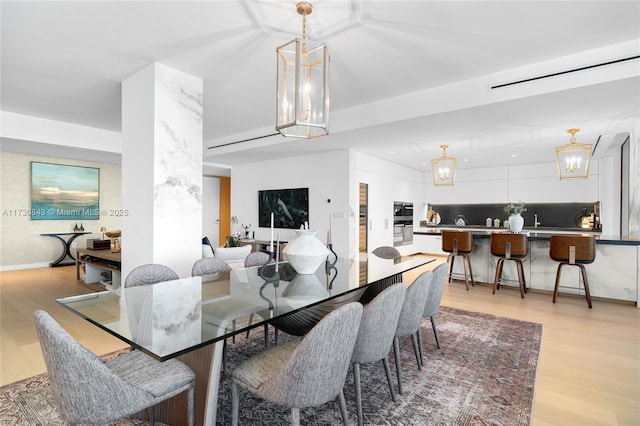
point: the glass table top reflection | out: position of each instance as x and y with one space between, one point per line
171 318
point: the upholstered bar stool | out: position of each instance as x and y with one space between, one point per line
509 246
575 250
459 243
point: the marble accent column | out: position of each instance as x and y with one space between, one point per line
162 112
634 184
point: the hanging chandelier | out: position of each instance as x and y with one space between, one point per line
302 103
444 169
573 158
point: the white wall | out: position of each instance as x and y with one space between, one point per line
387 182
21 245
326 175
532 183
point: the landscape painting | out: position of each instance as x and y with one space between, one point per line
63 192
290 208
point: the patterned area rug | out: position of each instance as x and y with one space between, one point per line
484 374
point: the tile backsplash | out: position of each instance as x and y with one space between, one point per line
555 215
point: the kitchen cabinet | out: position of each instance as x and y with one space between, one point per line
429 244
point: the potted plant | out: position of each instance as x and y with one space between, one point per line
513 211
233 240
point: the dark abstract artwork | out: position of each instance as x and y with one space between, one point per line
290 208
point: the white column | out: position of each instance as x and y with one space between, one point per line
161 169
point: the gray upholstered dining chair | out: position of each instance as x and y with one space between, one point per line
410 319
209 267
149 273
304 373
375 336
432 305
386 252
88 390
256 258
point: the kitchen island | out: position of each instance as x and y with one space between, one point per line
613 275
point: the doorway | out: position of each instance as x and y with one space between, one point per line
216 208
363 213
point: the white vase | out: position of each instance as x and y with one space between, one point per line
305 253
516 222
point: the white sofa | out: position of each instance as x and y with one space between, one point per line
233 256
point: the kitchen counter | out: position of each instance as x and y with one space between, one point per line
532 233
613 275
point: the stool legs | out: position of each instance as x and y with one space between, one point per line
520 270
583 271
468 272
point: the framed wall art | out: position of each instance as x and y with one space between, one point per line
290 207
64 192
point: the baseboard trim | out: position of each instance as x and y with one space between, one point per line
25 266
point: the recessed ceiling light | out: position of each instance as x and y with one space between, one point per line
514 155
392 152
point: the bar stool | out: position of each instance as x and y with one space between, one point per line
575 250
459 243
514 247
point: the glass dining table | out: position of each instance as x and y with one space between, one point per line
191 318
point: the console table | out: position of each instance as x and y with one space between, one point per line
66 247
96 263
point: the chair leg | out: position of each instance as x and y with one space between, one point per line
387 371
496 279
343 407
235 404
435 331
468 259
396 356
521 282
586 283
266 336
250 322
555 288
466 272
419 336
152 415
450 260
295 416
356 382
191 409
416 350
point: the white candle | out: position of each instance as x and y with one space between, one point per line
271 240
277 253
329 231
306 225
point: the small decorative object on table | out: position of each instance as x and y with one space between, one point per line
115 242
514 210
460 221
246 230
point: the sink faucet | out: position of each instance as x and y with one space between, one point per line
535 220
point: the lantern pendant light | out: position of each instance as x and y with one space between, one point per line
302 102
444 169
573 158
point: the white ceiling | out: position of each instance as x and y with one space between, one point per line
65 61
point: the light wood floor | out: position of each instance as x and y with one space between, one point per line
588 374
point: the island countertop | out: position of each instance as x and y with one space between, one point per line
532 233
